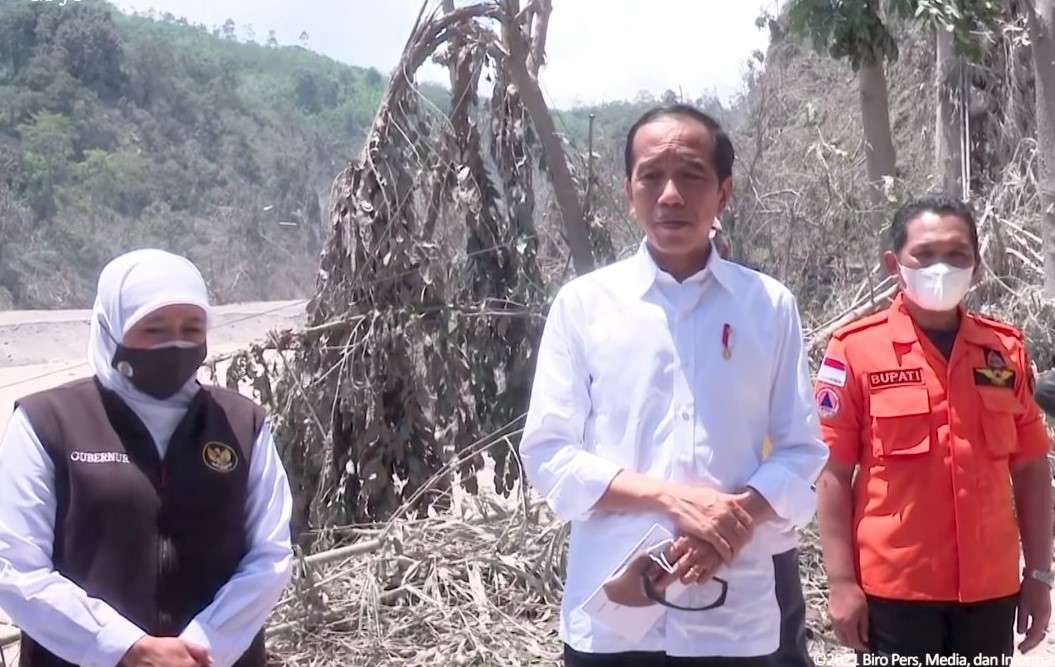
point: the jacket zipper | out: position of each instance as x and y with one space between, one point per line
162 548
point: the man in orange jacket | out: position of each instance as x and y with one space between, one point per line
932 406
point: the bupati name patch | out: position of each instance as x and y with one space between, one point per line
895 378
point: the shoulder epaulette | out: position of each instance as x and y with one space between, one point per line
866 322
997 325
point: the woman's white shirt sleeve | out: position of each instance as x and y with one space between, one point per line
56 612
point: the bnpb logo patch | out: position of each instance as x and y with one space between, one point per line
828 403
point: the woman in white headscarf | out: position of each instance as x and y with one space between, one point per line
144 518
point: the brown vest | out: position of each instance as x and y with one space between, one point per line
155 539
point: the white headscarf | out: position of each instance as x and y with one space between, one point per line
131 287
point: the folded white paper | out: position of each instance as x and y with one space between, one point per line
632 623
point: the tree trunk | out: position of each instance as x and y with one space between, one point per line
948 128
564 189
875 117
1041 19
540 28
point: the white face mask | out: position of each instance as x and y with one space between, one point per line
938 287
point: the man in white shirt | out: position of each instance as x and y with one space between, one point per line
658 379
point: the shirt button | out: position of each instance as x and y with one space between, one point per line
686 414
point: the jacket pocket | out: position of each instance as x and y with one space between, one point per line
900 421
999 409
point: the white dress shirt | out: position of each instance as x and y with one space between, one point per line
87 631
632 374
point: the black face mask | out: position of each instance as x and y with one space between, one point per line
161 371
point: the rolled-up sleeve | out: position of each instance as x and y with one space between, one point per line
785 479
1033 440
570 478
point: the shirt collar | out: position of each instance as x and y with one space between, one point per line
645 270
903 327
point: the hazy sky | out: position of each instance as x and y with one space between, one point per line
598 49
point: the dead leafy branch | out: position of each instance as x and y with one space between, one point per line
430 300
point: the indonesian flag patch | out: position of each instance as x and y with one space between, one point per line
832 372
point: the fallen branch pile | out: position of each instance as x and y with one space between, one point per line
479 584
